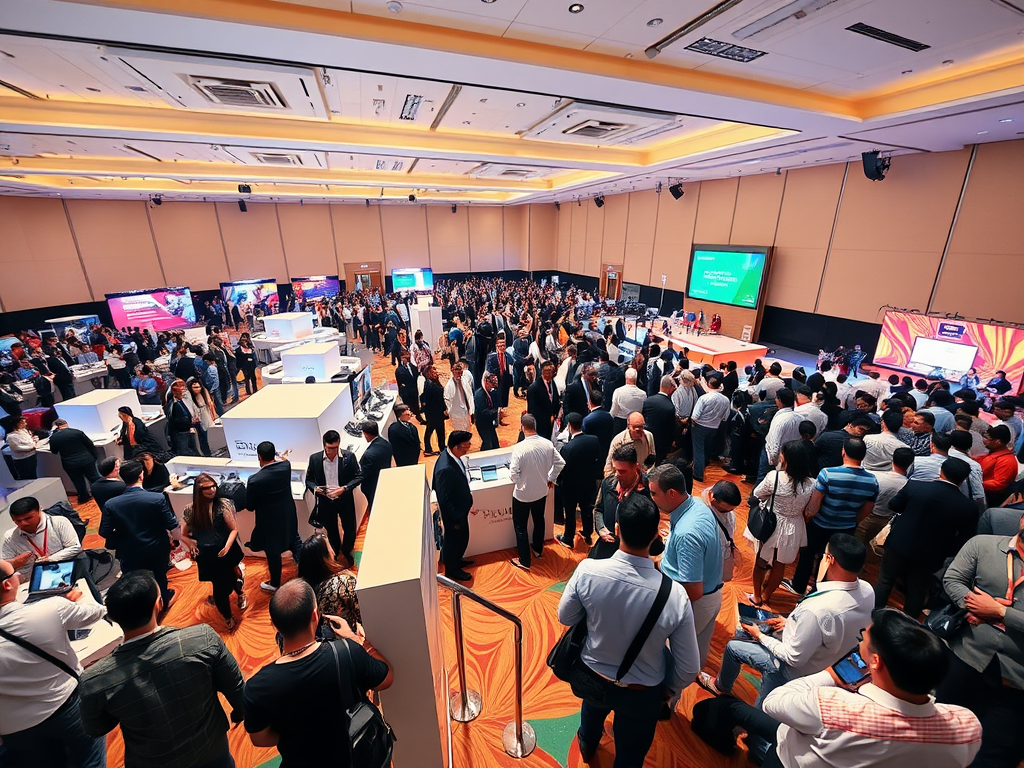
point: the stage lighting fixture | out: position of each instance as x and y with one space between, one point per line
454 206
241 206
367 202
599 201
157 200
875 165
412 198
677 191
244 189
558 206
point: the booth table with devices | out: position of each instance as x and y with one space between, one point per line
281 331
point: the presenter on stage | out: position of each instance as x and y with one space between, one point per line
454 500
332 476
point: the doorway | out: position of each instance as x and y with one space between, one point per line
364 276
611 281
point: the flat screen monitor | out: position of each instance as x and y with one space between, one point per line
727 274
80 324
361 385
945 359
161 309
315 286
420 280
260 293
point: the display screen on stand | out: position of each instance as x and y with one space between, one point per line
306 288
161 309
253 294
420 280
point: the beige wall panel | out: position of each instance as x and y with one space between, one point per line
449 238
486 244
116 245
809 206
990 218
757 209
616 218
908 282
640 229
38 260
795 277
516 220
544 234
189 244
595 239
252 241
308 239
982 285
715 211
673 239
578 239
564 238
405 236
357 234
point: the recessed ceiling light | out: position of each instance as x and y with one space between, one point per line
576 8
488 1
1006 120
466 122
483 101
94 90
394 6
654 22
521 104
982 133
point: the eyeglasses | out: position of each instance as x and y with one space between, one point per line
207 487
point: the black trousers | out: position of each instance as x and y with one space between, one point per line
522 511
817 540
249 375
79 475
488 437
456 539
67 389
917 579
155 562
435 424
1000 710
274 561
582 499
329 512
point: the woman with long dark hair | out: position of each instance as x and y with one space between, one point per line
245 354
209 530
335 587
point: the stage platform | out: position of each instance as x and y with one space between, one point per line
714 349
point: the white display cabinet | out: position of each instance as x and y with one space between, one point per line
95 412
428 320
288 325
320 360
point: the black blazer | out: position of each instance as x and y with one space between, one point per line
405 443
432 400
137 522
584 464
660 415
349 476
451 485
61 373
73 446
574 400
934 519
104 489
377 456
541 407
486 407
601 425
406 381
614 378
269 494
144 441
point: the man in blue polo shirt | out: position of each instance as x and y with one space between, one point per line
843 496
693 553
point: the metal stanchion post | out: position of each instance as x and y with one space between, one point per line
518 738
464 705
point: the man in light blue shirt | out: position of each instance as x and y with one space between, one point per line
693 552
614 597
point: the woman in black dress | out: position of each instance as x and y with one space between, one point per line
245 356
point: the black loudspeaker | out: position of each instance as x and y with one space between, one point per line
599 201
244 189
241 206
677 191
875 165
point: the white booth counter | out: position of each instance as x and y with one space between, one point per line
95 412
490 519
288 325
88 377
277 373
268 348
427 319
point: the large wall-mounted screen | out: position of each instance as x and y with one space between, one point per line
252 294
412 279
158 308
316 286
727 275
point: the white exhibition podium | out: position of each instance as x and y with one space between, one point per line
289 325
426 319
292 418
398 600
321 360
95 412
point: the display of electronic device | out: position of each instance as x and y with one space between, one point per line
750 614
315 286
50 578
161 309
361 385
852 669
411 279
948 359
251 294
489 473
725 274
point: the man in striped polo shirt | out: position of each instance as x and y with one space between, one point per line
843 496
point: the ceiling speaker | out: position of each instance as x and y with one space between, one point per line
677 191
875 165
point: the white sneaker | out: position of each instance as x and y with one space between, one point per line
266 586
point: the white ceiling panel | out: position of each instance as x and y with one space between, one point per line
597 17
505 10
370 98
546 36
338 161
500 113
972 126
430 13
456 167
777 68
633 29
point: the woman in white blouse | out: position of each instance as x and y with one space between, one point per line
795 478
23 444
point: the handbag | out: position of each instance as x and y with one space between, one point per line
880 538
566 652
371 741
947 621
762 521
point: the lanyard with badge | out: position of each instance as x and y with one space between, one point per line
46 539
1011 584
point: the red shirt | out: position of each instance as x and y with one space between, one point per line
998 469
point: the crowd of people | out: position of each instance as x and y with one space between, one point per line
840 468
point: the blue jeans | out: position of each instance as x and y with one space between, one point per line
59 740
636 717
703 448
763 467
739 652
218 401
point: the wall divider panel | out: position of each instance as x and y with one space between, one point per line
190 246
308 238
252 241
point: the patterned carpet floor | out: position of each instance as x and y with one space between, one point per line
549 705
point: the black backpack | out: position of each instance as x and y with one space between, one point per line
63 509
371 740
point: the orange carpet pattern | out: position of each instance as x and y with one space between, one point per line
549 705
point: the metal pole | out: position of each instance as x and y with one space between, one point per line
464 705
518 737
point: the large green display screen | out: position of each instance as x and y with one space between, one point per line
727 276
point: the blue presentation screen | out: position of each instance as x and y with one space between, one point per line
723 276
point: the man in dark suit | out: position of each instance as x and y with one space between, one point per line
332 476
599 422
269 495
485 401
584 463
406 377
404 437
543 401
576 398
501 363
614 377
63 379
660 415
77 456
109 485
376 456
434 410
933 520
454 500
141 525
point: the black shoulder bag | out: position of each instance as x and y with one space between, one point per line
761 522
370 739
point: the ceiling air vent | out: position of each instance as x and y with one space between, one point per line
238 93
597 129
270 158
887 37
724 50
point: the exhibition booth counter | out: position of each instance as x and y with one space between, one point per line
296 365
268 347
490 519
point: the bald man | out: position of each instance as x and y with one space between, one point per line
635 434
627 399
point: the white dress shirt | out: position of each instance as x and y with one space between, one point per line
22 443
889 484
627 399
812 412
785 426
535 463
685 401
974 487
711 409
459 408
55 537
331 471
880 449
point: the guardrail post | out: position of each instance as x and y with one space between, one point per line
464 704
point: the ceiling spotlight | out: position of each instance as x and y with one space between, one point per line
677 191
241 206
488 1
521 104
1006 120
244 189
412 198
157 200
454 206
654 22
576 8
367 202
558 206
982 133
629 56
394 6
778 171
599 201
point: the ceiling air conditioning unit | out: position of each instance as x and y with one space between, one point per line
238 93
501 171
270 158
596 124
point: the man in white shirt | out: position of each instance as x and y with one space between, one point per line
40 718
37 536
772 382
635 433
819 631
881 447
534 467
458 398
889 484
685 396
628 398
920 393
785 426
874 385
808 405
960 442
709 413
